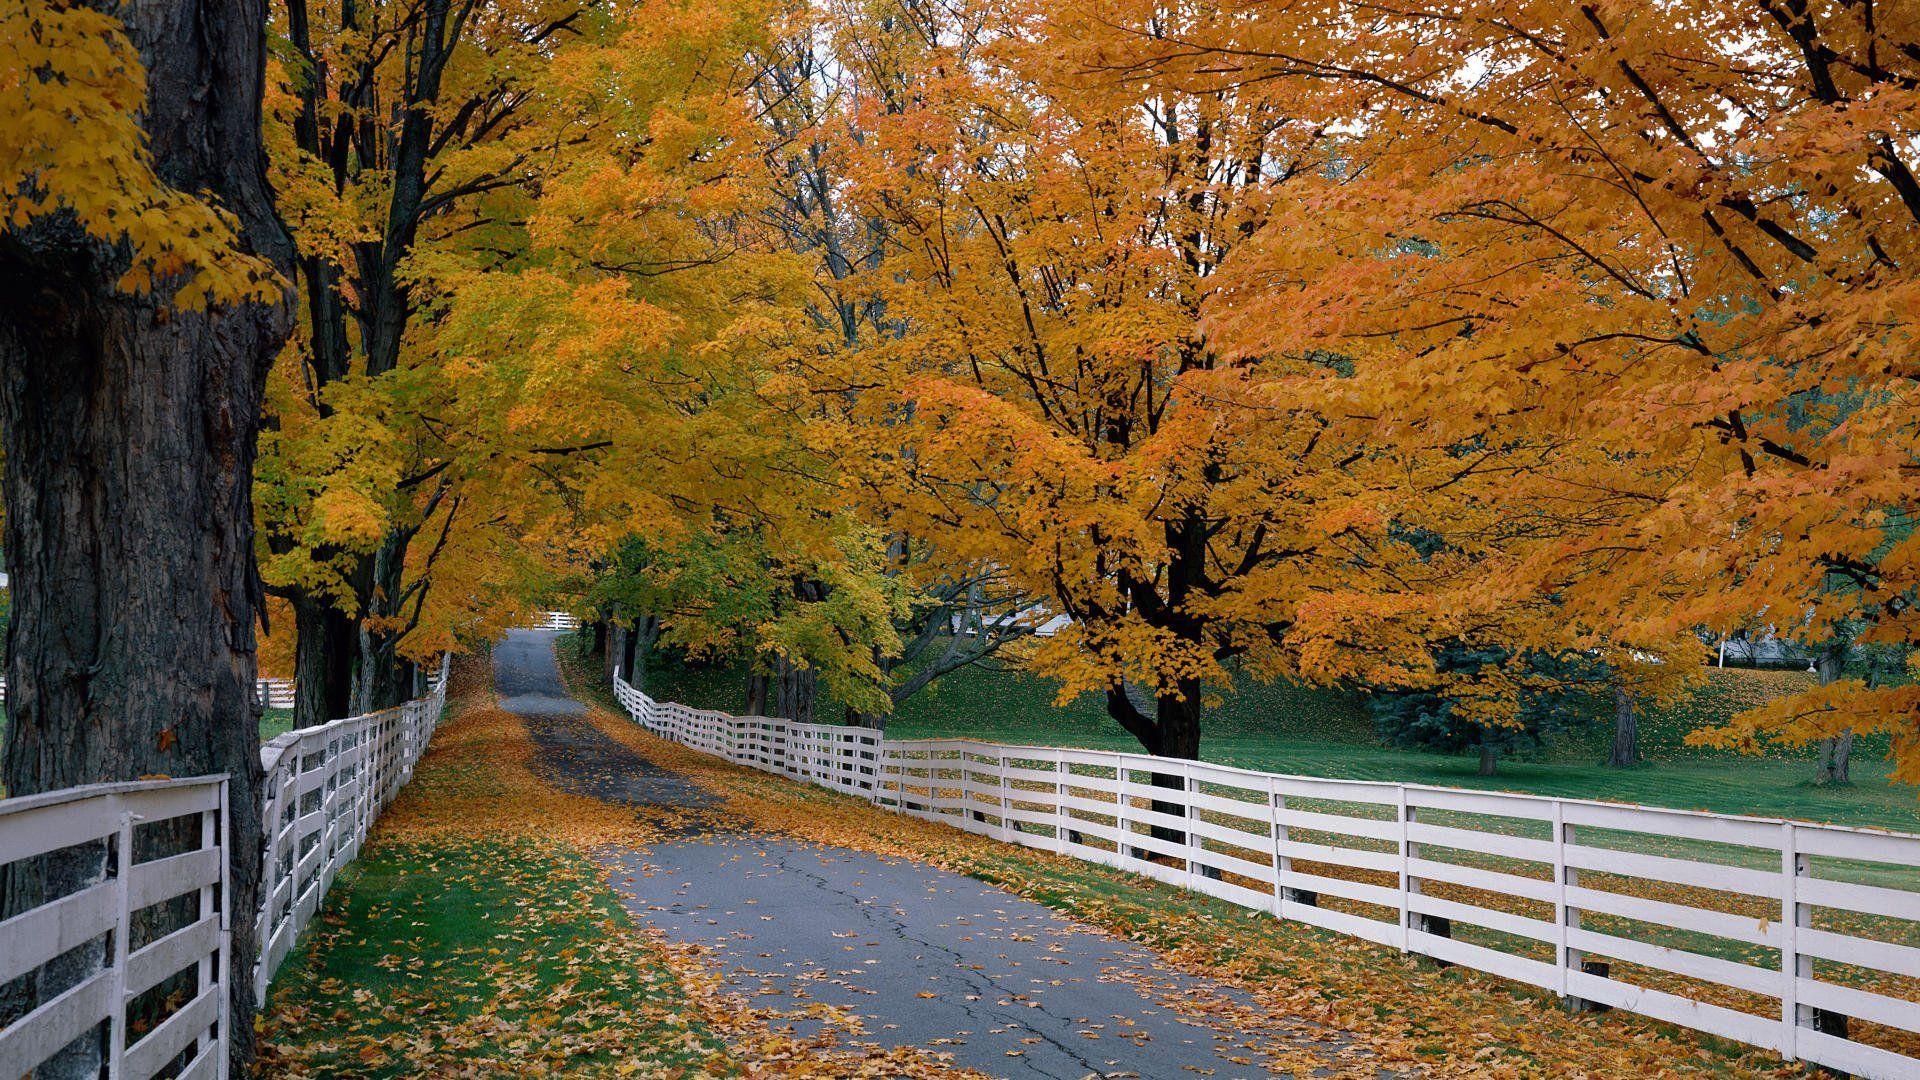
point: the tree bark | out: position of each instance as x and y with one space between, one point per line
1173 731
1174 728
323 662
130 430
1836 754
639 647
1489 759
616 649
1626 729
795 689
1836 758
378 679
757 685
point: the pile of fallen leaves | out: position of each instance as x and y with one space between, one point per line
480 958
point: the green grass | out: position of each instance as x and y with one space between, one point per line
483 958
1329 732
275 722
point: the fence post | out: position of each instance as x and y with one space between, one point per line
207 971
122 929
225 971
1571 921
1060 816
1791 964
1007 827
1408 885
1120 846
1560 957
1276 802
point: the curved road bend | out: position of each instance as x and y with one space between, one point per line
923 956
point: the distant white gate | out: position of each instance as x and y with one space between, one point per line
554 620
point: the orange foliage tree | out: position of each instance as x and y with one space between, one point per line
1682 235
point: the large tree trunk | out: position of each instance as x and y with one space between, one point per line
1626 729
757 687
795 689
1489 759
130 431
327 641
1173 731
1836 758
617 635
1836 753
1174 728
639 648
378 680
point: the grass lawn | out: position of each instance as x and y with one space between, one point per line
275 722
1328 732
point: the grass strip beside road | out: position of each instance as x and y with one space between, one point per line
472 958
475 936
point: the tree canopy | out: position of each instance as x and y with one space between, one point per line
1328 341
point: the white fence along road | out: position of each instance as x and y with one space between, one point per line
324 787
1803 939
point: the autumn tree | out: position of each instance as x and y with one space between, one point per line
141 304
396 123
1051 408
1682 234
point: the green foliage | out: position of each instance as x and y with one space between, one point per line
1429 719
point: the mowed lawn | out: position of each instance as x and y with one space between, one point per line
1309 731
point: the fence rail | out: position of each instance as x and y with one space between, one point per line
1802 939
149 932
274 693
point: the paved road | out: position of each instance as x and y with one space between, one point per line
572 754
925 957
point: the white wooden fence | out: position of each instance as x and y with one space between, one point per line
324 787
1803 939
104 818
274 693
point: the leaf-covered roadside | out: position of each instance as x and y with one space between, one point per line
474 937
470 958
477 937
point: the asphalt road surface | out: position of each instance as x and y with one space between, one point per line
922 956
